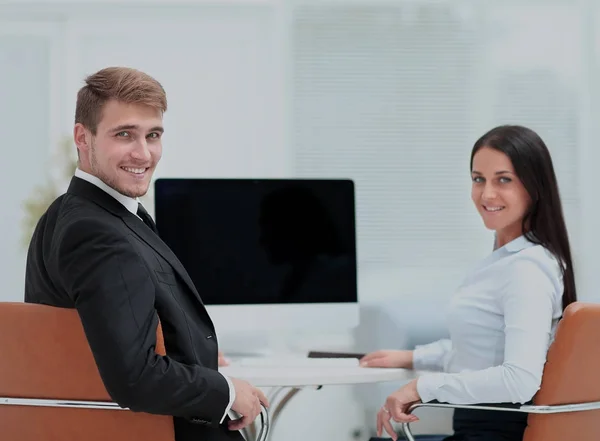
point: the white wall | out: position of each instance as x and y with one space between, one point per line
26 124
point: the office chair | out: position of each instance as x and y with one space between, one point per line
567 406
50 387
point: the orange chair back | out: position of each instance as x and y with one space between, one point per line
44 354
571 375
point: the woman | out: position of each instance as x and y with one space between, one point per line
504 315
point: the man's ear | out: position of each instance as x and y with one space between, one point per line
82 138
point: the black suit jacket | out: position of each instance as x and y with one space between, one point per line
90 253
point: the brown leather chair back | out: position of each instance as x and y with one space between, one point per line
44 354
571 375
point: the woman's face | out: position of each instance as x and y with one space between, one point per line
498 194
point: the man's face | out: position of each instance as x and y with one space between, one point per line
126 148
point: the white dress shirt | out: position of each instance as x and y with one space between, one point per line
502 320
132 205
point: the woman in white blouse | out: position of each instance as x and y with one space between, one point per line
503 316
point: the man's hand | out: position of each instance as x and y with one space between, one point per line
395 407
222 360
247 403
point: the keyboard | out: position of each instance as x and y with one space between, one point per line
295 362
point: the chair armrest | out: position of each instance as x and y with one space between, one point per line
558 408
265 422
79 404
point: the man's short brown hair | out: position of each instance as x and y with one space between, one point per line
122 84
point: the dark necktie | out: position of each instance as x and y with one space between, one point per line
143 214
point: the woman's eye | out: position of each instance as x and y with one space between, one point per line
505 180
477 179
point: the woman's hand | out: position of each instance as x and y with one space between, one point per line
388 359
396 407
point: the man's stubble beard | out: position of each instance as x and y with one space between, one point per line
112 183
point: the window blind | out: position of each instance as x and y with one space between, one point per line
382 95
394 96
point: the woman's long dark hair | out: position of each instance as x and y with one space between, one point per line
545 220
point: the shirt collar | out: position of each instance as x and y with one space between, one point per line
130 203
518 244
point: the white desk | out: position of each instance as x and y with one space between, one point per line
314 376
292 379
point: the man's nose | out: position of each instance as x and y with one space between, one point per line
141 151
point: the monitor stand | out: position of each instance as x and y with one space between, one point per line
254 344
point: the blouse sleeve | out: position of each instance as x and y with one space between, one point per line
432 357
527 301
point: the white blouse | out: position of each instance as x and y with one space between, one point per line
502 320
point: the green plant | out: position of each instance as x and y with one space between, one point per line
65 163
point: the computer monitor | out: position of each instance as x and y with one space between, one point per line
265 254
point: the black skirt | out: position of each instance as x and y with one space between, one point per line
488 425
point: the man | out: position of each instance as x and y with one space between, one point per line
96 249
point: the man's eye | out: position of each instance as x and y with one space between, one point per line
123 134
154 135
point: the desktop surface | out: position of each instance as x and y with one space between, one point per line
262 241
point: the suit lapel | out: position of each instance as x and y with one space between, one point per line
152 239
89 191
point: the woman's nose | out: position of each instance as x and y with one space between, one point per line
489 192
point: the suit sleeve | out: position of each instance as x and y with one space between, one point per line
114 296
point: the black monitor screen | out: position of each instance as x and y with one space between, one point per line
249 241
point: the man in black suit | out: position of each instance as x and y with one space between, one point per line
96 249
